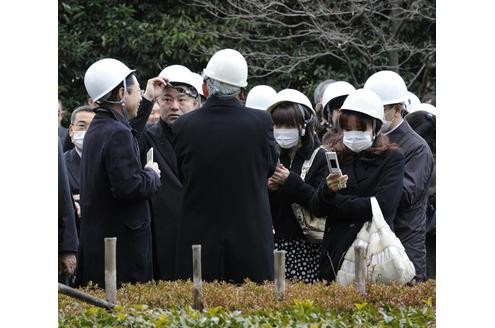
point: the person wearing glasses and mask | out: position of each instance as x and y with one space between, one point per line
180 97
369 167
80 120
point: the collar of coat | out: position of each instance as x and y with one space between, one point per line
217 102
399 133
117 116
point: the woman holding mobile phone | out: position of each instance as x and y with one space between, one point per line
294 132
369 167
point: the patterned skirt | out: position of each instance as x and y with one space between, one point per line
301 259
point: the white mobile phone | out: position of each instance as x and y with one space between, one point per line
332 162
149 155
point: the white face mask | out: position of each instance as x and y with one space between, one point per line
286 138
357 141
77 139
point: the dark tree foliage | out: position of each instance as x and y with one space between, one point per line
293 44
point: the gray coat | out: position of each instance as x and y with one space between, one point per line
410 221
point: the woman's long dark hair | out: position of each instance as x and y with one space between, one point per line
380 145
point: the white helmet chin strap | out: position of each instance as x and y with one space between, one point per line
121 102
375 134
306 121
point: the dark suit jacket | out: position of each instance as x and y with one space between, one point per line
166 203
410 222
225 154
114 193
67 234
62 133
350 207
73 162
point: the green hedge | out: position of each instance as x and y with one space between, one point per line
301 314
163 304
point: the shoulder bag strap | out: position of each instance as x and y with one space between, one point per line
307 163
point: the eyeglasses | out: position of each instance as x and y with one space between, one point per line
191 92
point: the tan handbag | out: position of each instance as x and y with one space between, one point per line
312 226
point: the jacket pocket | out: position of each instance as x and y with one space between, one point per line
136 225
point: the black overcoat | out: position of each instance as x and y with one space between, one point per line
410 221
67 233
350 207
225 154
114 192
73 162
166 203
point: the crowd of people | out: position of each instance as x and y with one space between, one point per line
194 159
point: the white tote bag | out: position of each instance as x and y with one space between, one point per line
385 257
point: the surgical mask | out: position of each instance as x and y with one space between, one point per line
77 139
357 141
286 138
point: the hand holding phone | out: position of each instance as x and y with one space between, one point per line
335 180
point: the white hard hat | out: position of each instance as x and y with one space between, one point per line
412 100
178 74
198 83
336 89
425 107
389 86
103 76
260 97
291 95
364 101
228 66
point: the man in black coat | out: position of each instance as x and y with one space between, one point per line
410 221
81 117
114 186
67 234
225 154
179 97
80 120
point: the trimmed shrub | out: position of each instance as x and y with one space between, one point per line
160 304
